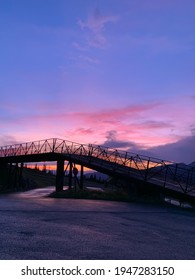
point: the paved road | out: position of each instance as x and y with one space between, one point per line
35 227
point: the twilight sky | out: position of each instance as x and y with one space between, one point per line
115 72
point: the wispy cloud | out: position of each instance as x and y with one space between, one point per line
116 114
83 131
94 28
7 139
78 46
89 59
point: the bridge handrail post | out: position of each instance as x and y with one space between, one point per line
147 168
54 145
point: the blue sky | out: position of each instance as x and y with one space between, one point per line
112 72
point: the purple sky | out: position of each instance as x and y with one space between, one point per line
114 72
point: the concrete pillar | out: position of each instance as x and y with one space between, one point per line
60 175
70 176
9 176
81 178
20 175
16 176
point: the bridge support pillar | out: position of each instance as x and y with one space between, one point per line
20 175
70 175
60 175
81 178
9 176
16 176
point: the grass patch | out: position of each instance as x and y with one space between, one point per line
37 178
109 195
92 194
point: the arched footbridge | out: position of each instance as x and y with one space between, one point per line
148 171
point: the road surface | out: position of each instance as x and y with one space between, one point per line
36 227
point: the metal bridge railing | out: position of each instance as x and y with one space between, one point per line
164 173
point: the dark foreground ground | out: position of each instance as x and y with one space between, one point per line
35 227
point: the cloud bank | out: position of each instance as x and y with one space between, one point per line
180 151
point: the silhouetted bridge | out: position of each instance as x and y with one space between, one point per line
149 172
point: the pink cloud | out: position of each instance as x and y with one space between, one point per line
147 125
115 114
83 131
86 126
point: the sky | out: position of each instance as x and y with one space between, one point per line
118 73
